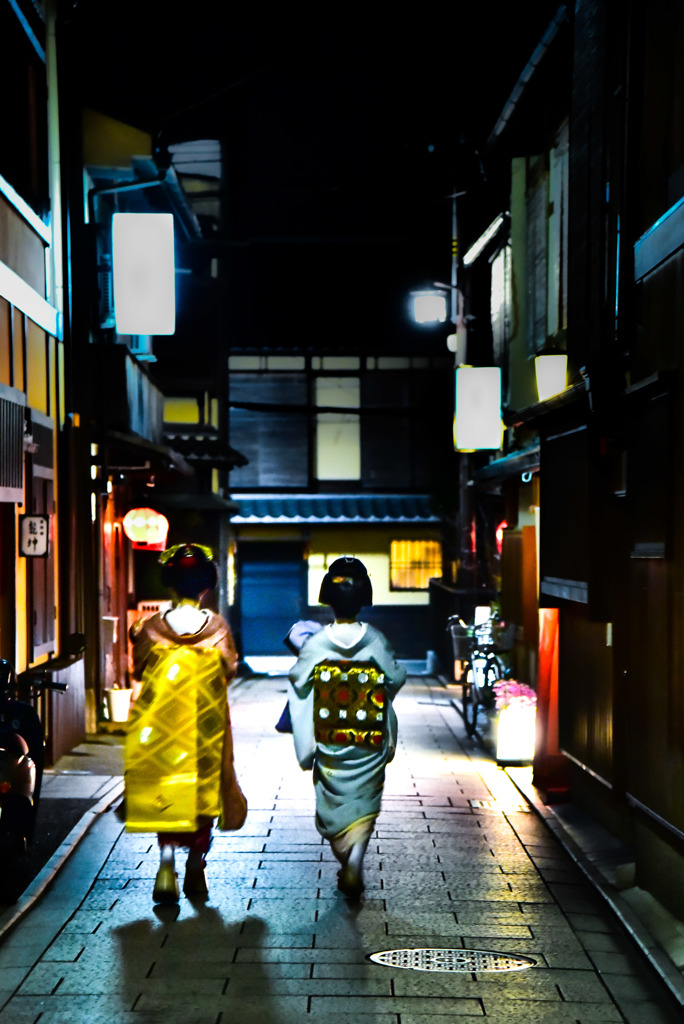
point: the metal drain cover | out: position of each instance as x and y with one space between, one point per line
498 805
468 961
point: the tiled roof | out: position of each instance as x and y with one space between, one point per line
204 448
334 508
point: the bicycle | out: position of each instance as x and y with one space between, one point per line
482 667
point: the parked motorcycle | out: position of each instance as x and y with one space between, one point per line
21 768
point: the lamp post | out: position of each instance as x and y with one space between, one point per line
430 306
477 408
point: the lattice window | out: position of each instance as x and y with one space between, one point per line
11 451
413 563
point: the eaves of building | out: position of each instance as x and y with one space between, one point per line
334 508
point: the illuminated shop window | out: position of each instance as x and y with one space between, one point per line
413 563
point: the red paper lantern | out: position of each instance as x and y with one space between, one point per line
146 529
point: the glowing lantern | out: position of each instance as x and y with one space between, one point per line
477 423
146 529
516 734
551 373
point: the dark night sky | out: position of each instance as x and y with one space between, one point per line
344 134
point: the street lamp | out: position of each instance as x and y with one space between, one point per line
429 306
442 302
477 414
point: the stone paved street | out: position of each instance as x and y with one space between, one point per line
459 861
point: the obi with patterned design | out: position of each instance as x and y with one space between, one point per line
350 704
175 739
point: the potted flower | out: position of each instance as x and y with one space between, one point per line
516 705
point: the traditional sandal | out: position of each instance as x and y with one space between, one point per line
349 881
195 882
166 885
350 877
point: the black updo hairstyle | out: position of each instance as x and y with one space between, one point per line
188 570
346 587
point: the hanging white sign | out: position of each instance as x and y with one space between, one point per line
34 536
477 422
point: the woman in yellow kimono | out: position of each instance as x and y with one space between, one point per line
179 769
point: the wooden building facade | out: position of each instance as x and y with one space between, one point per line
588 157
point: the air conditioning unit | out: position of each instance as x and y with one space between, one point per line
105 287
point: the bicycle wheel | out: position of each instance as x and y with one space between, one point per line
472 706
466 676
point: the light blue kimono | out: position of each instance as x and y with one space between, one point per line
348 780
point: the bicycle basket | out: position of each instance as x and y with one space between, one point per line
461 640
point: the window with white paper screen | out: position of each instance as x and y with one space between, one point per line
413 563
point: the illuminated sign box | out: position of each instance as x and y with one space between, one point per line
144 273
477 421
515 737
551 373
34 536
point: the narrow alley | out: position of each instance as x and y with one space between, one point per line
459 862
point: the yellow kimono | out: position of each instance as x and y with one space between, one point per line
179 749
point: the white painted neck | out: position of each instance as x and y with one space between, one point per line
186 617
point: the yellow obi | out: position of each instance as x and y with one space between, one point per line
174 741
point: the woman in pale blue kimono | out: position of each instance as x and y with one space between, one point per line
348 763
